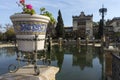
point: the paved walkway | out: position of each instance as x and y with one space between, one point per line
27 73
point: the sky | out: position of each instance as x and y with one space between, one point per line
68 9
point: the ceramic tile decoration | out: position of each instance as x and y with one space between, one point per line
26 26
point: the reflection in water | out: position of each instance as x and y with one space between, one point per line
59 54
108 62
75 63
9 52
6 56
84 58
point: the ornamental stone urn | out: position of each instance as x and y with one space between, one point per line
26 26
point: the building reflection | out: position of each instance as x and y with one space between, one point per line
84 58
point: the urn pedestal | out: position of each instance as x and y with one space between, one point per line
26 26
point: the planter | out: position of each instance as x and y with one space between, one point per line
26 26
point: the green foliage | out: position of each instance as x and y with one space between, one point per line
29 11
95 23
100 30
10 34
96 36
60 26
50 28
117 34
47 13
1 36
42 10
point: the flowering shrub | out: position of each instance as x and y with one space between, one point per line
27 8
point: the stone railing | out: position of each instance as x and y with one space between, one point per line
116 67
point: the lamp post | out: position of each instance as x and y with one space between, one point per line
102 12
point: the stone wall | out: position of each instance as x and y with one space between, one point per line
115 67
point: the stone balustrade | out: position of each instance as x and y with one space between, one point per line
116 67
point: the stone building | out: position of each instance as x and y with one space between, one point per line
115 22
83 25
109 33
95 31
68 32
115 27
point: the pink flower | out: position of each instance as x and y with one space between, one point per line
29 6
27 9
22 1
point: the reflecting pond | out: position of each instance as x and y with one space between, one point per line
75 63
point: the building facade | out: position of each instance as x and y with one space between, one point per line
109 33
115 22
68 32
83 25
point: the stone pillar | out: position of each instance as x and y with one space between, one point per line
60 41
78 41
107 42
103 41
87 40
93 41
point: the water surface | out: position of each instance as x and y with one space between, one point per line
75 63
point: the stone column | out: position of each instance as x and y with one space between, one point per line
87 40
93 41
78 42
60 41
103 41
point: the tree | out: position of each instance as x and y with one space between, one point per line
10 34
95 23
1 36
47 13
100 30
60 26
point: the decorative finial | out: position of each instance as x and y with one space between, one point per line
102 5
